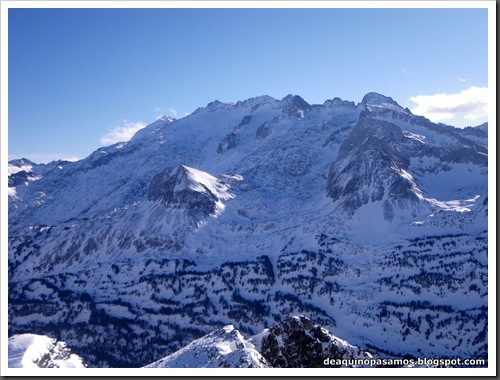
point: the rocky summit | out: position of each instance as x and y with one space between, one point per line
296 342
365 218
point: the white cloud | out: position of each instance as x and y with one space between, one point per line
122 133
461 80
406 71
167 112
469 104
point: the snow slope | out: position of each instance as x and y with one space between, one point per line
224 347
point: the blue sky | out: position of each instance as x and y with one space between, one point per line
83 78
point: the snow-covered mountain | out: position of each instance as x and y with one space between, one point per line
295 343
223 348
366 218
22 171
40 351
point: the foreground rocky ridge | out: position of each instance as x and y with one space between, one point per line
296 342
39 351
368 219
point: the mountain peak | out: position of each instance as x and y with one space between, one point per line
21 162
297 342
193 189
213 106
375 98
217 105
295 106
296 100
337 102
225 347
383 106
258 100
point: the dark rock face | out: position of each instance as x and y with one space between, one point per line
174 187
297 342
295 106
370 167
227 143
60 352
263 131
20 178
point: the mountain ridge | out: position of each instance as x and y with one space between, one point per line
296 342
367 219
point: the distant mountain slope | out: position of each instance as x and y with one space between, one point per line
366 218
